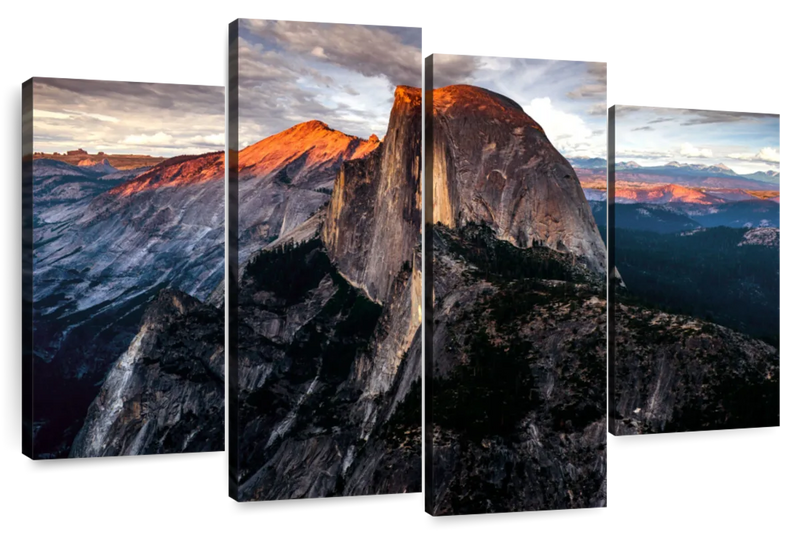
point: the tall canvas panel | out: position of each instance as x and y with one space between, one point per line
694 220
123 261
515 367
324 260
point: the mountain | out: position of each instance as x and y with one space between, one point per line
383 187
648 217
104 247
588 162
166 393
662 194
286 177
329 349
515 315
678 373
517 377
745 214
728 276
98 166
771 176
494 164
733 195
695 175
118 161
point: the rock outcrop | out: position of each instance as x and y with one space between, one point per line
677 373
494 164
329 350
285 178
373 220
105 245
166 393
516 382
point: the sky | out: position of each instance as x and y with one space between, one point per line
127 118
342 74
566 98
651 136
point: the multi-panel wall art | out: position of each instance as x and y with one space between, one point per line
694 236
325 274
123 262
515 285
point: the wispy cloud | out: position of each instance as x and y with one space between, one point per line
125 117
342 74
746 142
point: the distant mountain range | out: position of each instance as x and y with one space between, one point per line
81 158
675 168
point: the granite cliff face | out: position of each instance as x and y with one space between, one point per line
678 373
329 348
104 246
493 164
166 393
373 219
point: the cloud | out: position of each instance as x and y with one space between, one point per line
643 154
115 116
41 113
394 53
342 74
568 132
688 150
596 88
598 109
643 128
216 139
765 155
157 139
690 117
452 69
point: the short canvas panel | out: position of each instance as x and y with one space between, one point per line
123 261
694 219
324 260
515 368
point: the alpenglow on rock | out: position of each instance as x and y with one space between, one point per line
494 164
373 220
286 177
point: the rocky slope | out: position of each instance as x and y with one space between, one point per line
492 163
285 178
105 245
677 373
166 393
329 351
517 377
